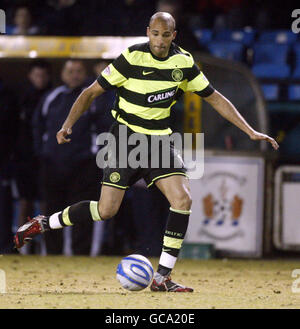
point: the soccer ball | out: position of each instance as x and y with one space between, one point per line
135 272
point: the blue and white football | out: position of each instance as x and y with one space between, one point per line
135 272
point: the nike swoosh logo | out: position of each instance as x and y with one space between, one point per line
166 250
146 73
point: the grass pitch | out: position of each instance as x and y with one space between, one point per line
84 282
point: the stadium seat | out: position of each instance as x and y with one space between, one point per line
271 91
271 71
296 49
278 36
296 73
294 92
227 50
245 36
270 53
203 36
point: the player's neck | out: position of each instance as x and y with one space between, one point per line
162 57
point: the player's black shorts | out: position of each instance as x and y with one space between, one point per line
123 178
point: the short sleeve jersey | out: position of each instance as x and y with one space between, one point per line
148 86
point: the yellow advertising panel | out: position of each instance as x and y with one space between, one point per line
82 47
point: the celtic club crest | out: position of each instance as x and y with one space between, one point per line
177 75
114 177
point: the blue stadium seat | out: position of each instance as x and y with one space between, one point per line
294 92
271 91
296 73
270 53
296 49
271 71
203 36
227 50
245 36
278 36
9 29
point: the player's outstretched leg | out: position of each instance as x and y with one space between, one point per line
175 188
83 211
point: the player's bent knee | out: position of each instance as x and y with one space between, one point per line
182 202
107 212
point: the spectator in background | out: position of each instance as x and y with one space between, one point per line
27 166
68 172
134 16
118 18
23 22
8 128
64 17
223 14
105 104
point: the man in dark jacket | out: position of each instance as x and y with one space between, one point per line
8 122
68 172
27 166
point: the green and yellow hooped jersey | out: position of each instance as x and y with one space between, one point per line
148 86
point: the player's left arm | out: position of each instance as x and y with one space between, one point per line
222 105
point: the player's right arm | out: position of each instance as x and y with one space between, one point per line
81 104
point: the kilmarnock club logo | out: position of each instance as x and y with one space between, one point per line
177 75
223 208
114 177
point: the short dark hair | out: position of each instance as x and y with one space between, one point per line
74 60
22 5
41 64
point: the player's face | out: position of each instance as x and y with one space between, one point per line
160 36
73 74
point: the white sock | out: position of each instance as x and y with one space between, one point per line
54 222
167 260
